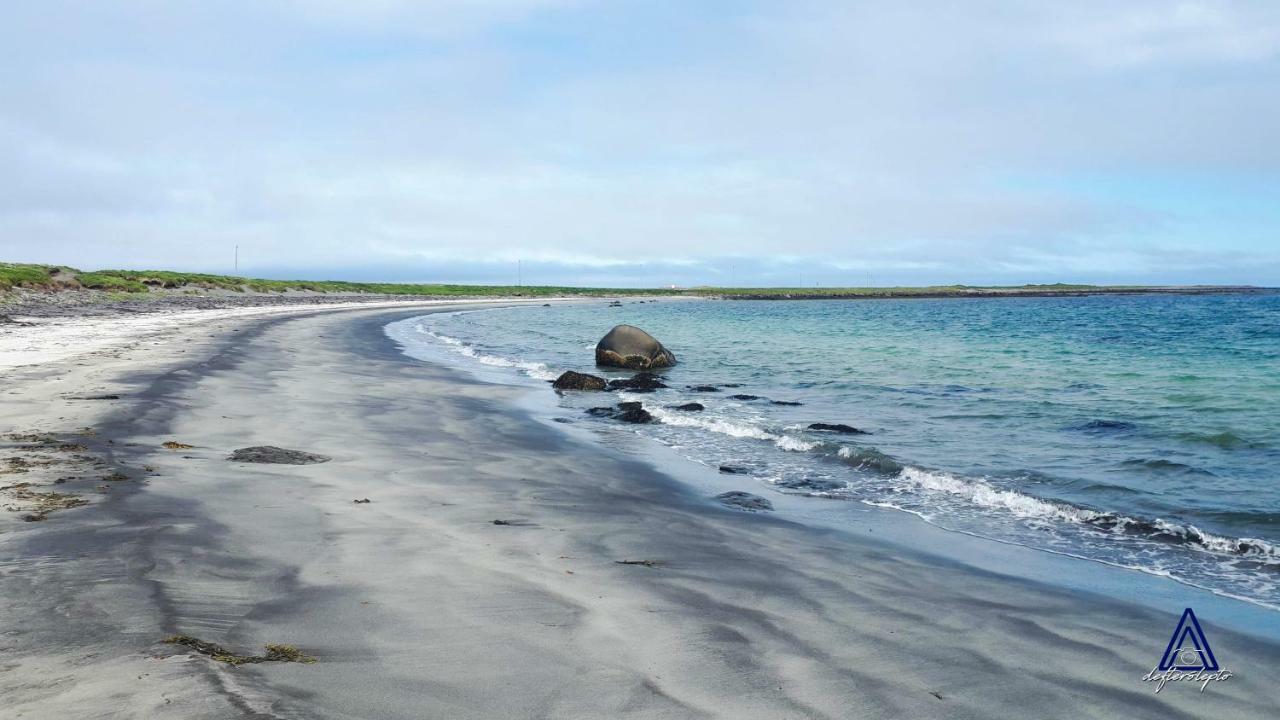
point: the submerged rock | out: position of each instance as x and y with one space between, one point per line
703 388
788 403
689 407
276 456
744 397
838 428
744 501
641 382
627 346
571 380
601 411
731 470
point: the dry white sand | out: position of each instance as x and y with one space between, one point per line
418 606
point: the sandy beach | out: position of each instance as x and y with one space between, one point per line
417 604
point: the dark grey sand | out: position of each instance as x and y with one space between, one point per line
418 605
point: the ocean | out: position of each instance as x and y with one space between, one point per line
1139 431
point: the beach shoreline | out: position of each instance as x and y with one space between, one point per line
418 604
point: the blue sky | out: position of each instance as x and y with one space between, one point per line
647 143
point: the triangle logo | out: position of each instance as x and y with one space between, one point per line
1188 647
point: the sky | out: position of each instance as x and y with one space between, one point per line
646 143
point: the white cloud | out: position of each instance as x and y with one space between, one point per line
875 135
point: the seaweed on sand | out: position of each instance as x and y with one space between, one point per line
275 653
646 563
43 504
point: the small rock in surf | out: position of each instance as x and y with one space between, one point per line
689 407
635 415
838 428
571 380
641 382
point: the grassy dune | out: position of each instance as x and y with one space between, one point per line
52 277
48 277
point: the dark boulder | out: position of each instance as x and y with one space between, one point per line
838 428
635 415
571 380
629 406
276 456
627 346
689 407
745 501
731 470
641 382
744 397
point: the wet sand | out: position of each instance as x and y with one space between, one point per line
416 604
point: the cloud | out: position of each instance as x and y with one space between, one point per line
907 141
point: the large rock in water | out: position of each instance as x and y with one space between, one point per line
626 346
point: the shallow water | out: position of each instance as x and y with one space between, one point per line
1142 431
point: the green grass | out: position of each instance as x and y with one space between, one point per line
172 280
13 275
137 283
104 281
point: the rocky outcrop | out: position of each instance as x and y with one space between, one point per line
626 346
571 380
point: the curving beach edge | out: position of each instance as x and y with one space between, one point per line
453 557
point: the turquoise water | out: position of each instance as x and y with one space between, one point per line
1141 431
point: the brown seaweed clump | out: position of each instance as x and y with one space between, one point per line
43 504
275 653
